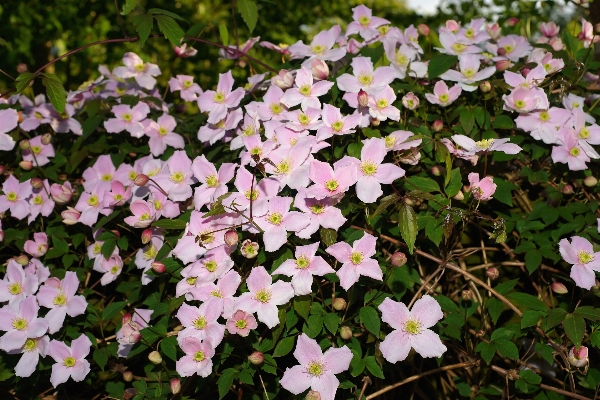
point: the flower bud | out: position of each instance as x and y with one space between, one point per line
492 273
485 86
437 170
284 80
567 189
423 29
339 304
375 122
493 30
578 358
63 177
22 68
158 267
503 65
70 216
452 25
249 248
460 196
126 319
231 237
437 125
22 260
36 183
26 165
363 98
549 29
24 144
512 21
398 259
61 194
184 52
175 385
147 236
1 169
590 181
46 138
410 101
155 357
467 295
256 358
129 393
127 376
320 70
559 288
313 395
141 180
345 332
408 201
501 51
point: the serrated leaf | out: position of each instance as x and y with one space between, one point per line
455 183
143 26
108 247
332 322
225 381
128 7
314 325
195 29
530 318
467 120
507 348
23 81
370 319
169 28
384 203
440 64
487 351
160 11
555 317
574 328
170 224
424 184
168 347
503 122
224 34
56 92
112 310
588 312
249 13
284 346
407 222
302 305
101 357
373 367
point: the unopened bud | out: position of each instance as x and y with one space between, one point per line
567 189
22 68
147 236
345 332
501 51
320 70
492 273
503 65
313 395
141 180
249 248
155 357
158 267
452 25
485 86
410 101
512 21
423 29
70 216
467 295
256 358
578 358
46 138
231 237
126 318
363 98
480 333
436 170
460 196
132 154
175 385
127 376
590 181
437 125
525 71
408 201
398 259
284 79
61 194
26 165
36 183
63 177
184 51
339 303
559 288
24 144
22 259
375 122
1 169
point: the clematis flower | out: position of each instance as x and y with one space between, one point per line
319 213
404 60
271 106
400 140
316 370
580 253
514 47
16 286
544 125
90 205
356 260
143 214
128 119
291 164
200 323
365 78
570 152
161 134
216 103
321 47
15 197
306 92
178 177
214 184
219 296
70 361
330 182
549 29
469 73
129 334
212 132
234 52
62 301
442 95
277 221
481 189
32 350
135 67
364 23
587 34
241 323
189 91
252 190
380 104
111 268
411 329
63 123
263 296
335 124
20 321
299 120
9 119
38 246
197 359
471 147
38 153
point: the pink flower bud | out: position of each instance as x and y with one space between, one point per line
313 395
61 194
46 138
22 260
283 80
452 25
175 385
158 267
460 196
127 376
578 358
256 358
437 170
320 70
126 318
184 52
24 144
70 216
494 30
22 68
249 248
513 21
467 295
231 237
423 29
556 43
155 357
501 51
485 86
1 169
492 273
398 259
339 304
26 165
36 183
549 29
147 236
410 101
437 125
567 189
375 122
363 98
345 332
503 65
590 181
141 180
559 288
525 71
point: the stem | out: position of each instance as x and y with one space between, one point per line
120 20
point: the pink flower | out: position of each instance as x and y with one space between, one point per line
197 359
356 260
216 103
365 78
281 48
544 125
38 246
482 190
9 119
330 182
62 301
321 47
587 34
299 120
212 132
400 140
161 134
143 214
111 268
335 124
16 286
63 123
118 195
271 107
70 362
241 323
263 296
178 177
235 52
524 100
215 264
306 92
32 350
200 323
578 357
220 295
214 184
99 177
442 95
303 268
136 68
61 194
472 147
452 44
185 84
199 237
20 321
364 23
404 60
570 152
316 370
251 189
90 205
15 197
381 104
411 329
469 73
291 164
38 153
183 51
580 253
549 29
319 213
129 334
128 118
277 221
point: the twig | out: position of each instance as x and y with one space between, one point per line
366 381
120 20
263 385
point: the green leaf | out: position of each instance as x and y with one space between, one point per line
373 367
530 377
143 26
23 81
112 310
533 259
384 203
574 328
60 247
407 222
503 122
530 318
56 91
588 312
487 351
354 149
314 325
284 346
328 236
168 346
302 306
503 191
108 247
370 319
527 301
507 348
225 381
160 11
169 28
101 357
440 64
331 321
170 224
371 133
195 29
467 120
495 308
249 13
427 185
455 183
555 317
224 34
128 7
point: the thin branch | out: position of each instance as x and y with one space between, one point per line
120 20
7 74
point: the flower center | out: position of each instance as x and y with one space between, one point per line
469 73
15 288
157 205
199 356
257 151
331 185
93 200
69 362
444 97
145 217
212 181
38 200
276 108
249 130
317 49
106 177
368 167
162 131
337 126
544 116
177 176
216 293
275 218
11 196
302 262
317 209
114 269
97 248
219 97
19 324
509 48
127 117
36 149
284 167
305 90
187 84
470 33
383 29
584 257
200 323
356 257
251 194
412 326
519 104
140 67
390 141
240 323
220 124
315 368
29 345
60 299
207 237
459 47
574 151
364 20
191 280
303 119
401 59
263 295
211 266
382 103
151 253
365 79
484 144
584 133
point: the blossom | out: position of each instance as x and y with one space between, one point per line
143 214
411 329
570 152
335 124
356 260
16 286
201 323
38 246
306 92
128 119
587 34
197 359
263 296
544 125
70 361
38 153
20 321
32 350
117 196
111 268
316 370
469 72
471 147
62 301
135 67
212 132
364 23
365 78
580 253
321 47
161 134
514 47
9 118
15 197
319 213
241 323
220 295
214 184
291 163
481 190
303 268
525 100
216 103
277 221
189 90
380 104
129 334
442 95
330 182
178 177
63 123
99 177
235 52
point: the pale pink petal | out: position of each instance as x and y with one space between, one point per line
307 350
427 310
427 344
393 313
295 380
337 359
395 347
